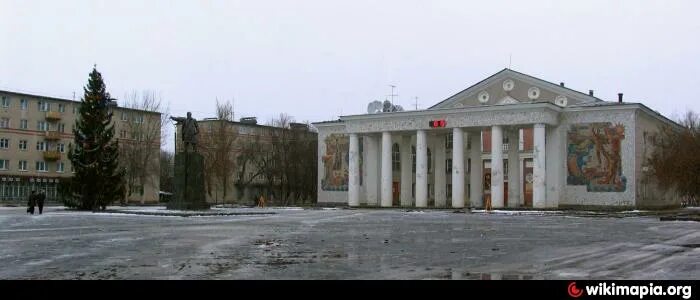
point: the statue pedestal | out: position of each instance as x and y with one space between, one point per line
189 182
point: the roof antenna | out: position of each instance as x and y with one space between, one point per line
392 93
510 59
416 102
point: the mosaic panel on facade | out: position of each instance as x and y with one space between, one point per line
335 163
594 157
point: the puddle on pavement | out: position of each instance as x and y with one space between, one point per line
465 275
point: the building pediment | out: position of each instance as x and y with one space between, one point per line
511 87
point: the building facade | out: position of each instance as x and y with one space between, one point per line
35 134
255 160
511 140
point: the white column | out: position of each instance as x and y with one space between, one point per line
457 168
476 176
496 167
421 169
538 170
513 168
556 161
372 168
354 171
406 171
440 179
386 169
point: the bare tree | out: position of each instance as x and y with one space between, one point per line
218 143
282 155
250 162
674 161
142 128
167 160
293 154
283 163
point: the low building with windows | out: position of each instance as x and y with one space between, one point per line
256 161
35 133
511 140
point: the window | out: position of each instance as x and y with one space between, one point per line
22 165
395 157
469 165
60 167
430 162
125 117
5 102
449 190
43 106
448 141
4 122
74 108
61 107
42 126
61 127
41 166
4 143
138 136
123 134
23 145
23 124
448 166
23 104
138 119
413 156
60 147
4 164
41 146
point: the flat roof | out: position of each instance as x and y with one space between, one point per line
69 100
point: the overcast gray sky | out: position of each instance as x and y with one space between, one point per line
316 60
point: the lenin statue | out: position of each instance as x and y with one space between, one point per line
190 129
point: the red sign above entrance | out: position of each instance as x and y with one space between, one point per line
438 123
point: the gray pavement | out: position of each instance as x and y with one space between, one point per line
294 243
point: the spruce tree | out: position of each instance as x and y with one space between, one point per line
98 180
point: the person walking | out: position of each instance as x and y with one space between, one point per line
261 201
31 202
40 201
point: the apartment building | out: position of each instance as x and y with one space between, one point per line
35 133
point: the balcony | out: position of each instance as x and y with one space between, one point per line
53 115
52 135
52 155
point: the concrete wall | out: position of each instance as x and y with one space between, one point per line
577 195
648 193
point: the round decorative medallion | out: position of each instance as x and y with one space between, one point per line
458 105
483 97
529 178
560 100
508 85
533 93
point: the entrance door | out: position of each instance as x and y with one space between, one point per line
527 181
487 183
